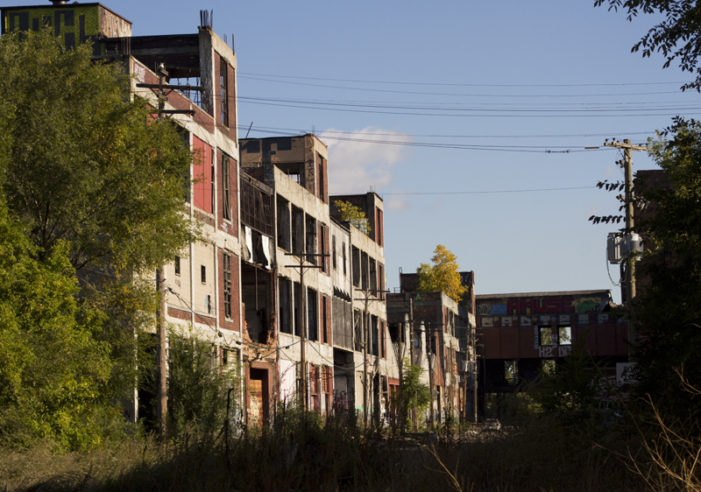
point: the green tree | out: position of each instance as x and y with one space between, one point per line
412 395
197 388
443 275
83 163
678 36
53 373
350 213
668 307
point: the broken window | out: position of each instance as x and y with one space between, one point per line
356 266
548 366
310 239
227 285
283 223
176 265
285 302
312 315
297 230
545 336
224 91
378 225
226 200
203 274
511 371
381 280
564 335
373 276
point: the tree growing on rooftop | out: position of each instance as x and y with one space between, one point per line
353 214
443 275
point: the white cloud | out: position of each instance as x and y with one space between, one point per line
358 162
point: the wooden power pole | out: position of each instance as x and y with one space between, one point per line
628 287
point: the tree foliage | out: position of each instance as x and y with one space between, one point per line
353 214
412 396
197 396
53 372
443 275
98 185
85 164
668 307
678 36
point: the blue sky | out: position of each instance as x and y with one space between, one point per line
544 75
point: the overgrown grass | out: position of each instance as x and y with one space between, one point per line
300 452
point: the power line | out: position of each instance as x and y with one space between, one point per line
487 192
376 109
455 94
461 84
294 131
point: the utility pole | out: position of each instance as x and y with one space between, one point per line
303 332
629 282
162 89
431 365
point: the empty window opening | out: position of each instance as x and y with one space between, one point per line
373 276
358 323
203 274
283 224
345 260
323 247
324 321
226 199
256 298
511 371
312 315
364 270
333 253
374 335
226 267
356 266
297 231
224 91
564 335
545 335
284 293
176 265
548 366
310 239
297 303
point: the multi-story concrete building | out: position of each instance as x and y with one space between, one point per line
329 280
191 78
439 343
289 293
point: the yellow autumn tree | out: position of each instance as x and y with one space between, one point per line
443 275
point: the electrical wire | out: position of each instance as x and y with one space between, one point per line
294 131
456 109
486 192
265 102
452 94
460 84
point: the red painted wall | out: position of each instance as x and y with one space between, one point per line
202 174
